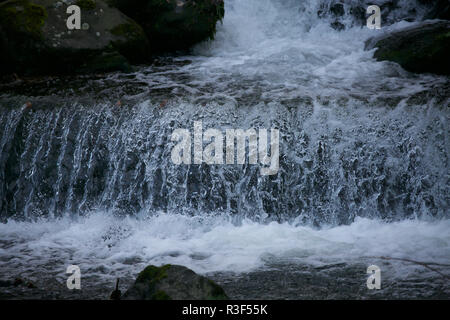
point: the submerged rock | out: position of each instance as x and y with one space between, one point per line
17 282
36 39
174 24
172 282
420 48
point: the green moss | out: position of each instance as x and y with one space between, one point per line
130 30
161 295
170 28
444 36
105 62
130 40
210 12
23 16
86 4
422 52
153 274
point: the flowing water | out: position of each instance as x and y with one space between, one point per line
363 177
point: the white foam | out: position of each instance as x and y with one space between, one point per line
101 242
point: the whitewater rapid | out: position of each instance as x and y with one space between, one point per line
121 247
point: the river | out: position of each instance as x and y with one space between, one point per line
86 175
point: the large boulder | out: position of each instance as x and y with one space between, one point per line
421 48
36 40
174 24
172 282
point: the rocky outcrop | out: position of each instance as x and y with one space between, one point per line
174 24
36 39
172 282
421 48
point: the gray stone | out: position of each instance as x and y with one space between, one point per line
172 282
173 25
37 40
420 48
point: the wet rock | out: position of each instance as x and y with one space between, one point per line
338 26
420 48
105 62
116 294
337 9
391 10
437 9
359 15
174 24
172 282
36 39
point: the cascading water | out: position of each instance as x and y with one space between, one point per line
364 145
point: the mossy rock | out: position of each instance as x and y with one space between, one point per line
161 295
22 16
86 4
172 282
131 41
172 25
105 62
423 48
21 32
36 40
153 274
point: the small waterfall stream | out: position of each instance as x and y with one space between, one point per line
364 147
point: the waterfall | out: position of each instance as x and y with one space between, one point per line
363 145
354 139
